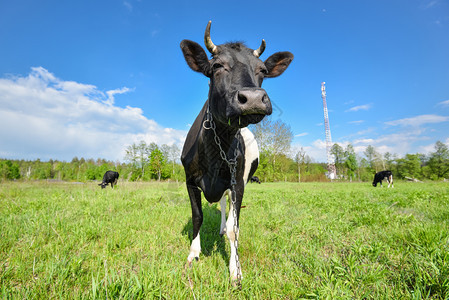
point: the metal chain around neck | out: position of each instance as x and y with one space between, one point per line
232 164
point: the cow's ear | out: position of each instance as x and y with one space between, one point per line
195 57
277 63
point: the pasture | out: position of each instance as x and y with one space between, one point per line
308 240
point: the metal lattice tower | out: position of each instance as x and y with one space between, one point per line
332 172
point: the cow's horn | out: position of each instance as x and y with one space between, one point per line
261 49
208 41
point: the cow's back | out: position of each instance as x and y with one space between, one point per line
110 175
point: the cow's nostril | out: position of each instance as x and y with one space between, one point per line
242 98
265 98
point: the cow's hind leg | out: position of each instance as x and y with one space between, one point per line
197 220
223 213
390 181
232 231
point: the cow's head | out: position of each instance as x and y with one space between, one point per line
236 74
103 184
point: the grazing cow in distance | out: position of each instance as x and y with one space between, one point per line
218 143
255 179
381 176
109 177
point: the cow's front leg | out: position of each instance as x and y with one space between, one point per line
232 231
197 220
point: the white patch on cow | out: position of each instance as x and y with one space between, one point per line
251 151
223 212
195 249
232 236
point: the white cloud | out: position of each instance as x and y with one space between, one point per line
356 122
363 141
431 4
111 98
44 117
399 143
418 120
444 103
360 107
128 6
426 149
301 134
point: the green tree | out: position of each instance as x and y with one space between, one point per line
350 161
300 158
274 139
138 156
439 160
409 166
388 159
9 170
374 159
339 158
172 154
157 162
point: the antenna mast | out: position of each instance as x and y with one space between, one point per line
332 172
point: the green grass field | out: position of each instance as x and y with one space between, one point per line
310 240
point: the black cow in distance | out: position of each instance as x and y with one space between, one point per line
109 177
381 176
255 179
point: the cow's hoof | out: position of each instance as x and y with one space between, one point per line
191 258
236 284
223 231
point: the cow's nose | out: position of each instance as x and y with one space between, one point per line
252 96
253 101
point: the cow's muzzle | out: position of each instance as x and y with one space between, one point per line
248 106
253 101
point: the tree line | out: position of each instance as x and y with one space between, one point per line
433 166
142 162
278 161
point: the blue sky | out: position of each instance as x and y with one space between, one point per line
88 78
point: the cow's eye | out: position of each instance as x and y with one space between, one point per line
217 66
262 71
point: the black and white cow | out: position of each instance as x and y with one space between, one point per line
381 176
219 132
255 179
109 177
